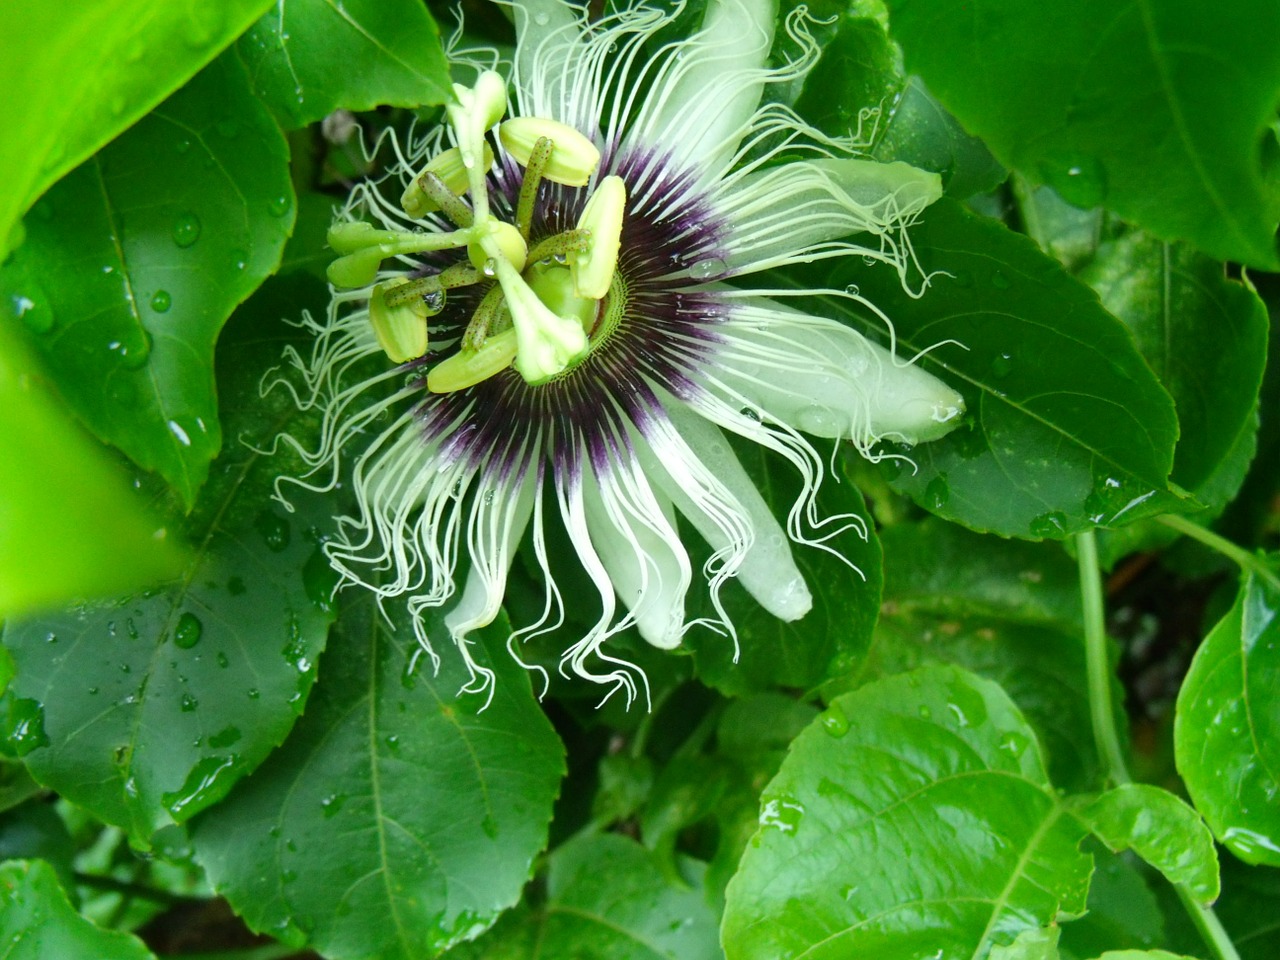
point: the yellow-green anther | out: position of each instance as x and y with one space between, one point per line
448 166
510 246
593 268
466 368
546 344
573 159
370 247
356 269
401 331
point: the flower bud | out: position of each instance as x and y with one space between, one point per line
401 330
592 270
572 161
489 97
356 269
448 166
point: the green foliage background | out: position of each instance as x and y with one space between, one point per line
949 757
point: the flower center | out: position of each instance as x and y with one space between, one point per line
543 307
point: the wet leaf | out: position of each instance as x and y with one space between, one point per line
71 525
1066 427
389 50
37 922
1158 111
147 709
80 74
607 899
1162 830
1227 729
135 260
401 817
927 824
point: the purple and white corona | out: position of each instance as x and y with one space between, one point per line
560 295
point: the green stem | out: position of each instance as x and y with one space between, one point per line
1105 734
1097 664
1248 562
1210 927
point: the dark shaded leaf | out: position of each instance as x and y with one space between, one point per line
1158 111
389 51
400 818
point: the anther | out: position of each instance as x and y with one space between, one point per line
573 160
448 166
459 275
466 368
401 330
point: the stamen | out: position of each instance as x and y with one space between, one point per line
547 344
483 318
370 247
459 275
494 239
533 168
466 368
401 331
560 245
593 269
448 166
574 159
442 199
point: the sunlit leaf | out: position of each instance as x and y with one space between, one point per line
135 260
77 75
1227 731
1162 830
924 822
69 523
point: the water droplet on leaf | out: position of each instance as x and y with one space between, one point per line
186 229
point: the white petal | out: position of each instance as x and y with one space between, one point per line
702 104
713 491
636 538
782 214
820 376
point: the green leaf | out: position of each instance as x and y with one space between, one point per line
135 260
1162 830
607 899
400 818
833 636
1007 611
928 824
858 89
37 922
1157 111
1227 727
71 526
1204 336
1038 944
1123 911
389 51
77 75
1066 426
147 709
35 831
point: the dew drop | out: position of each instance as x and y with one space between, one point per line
227 128
280 205
182 145
490 268
782 813
188 631
189 703
936 493
560 258
706 269
489 826
1052 525
239 259
186 229
433 302
1002 365
834 721
161 301
37 316
1000 280
26 726
274 531
541 18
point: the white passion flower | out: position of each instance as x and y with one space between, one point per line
561 308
